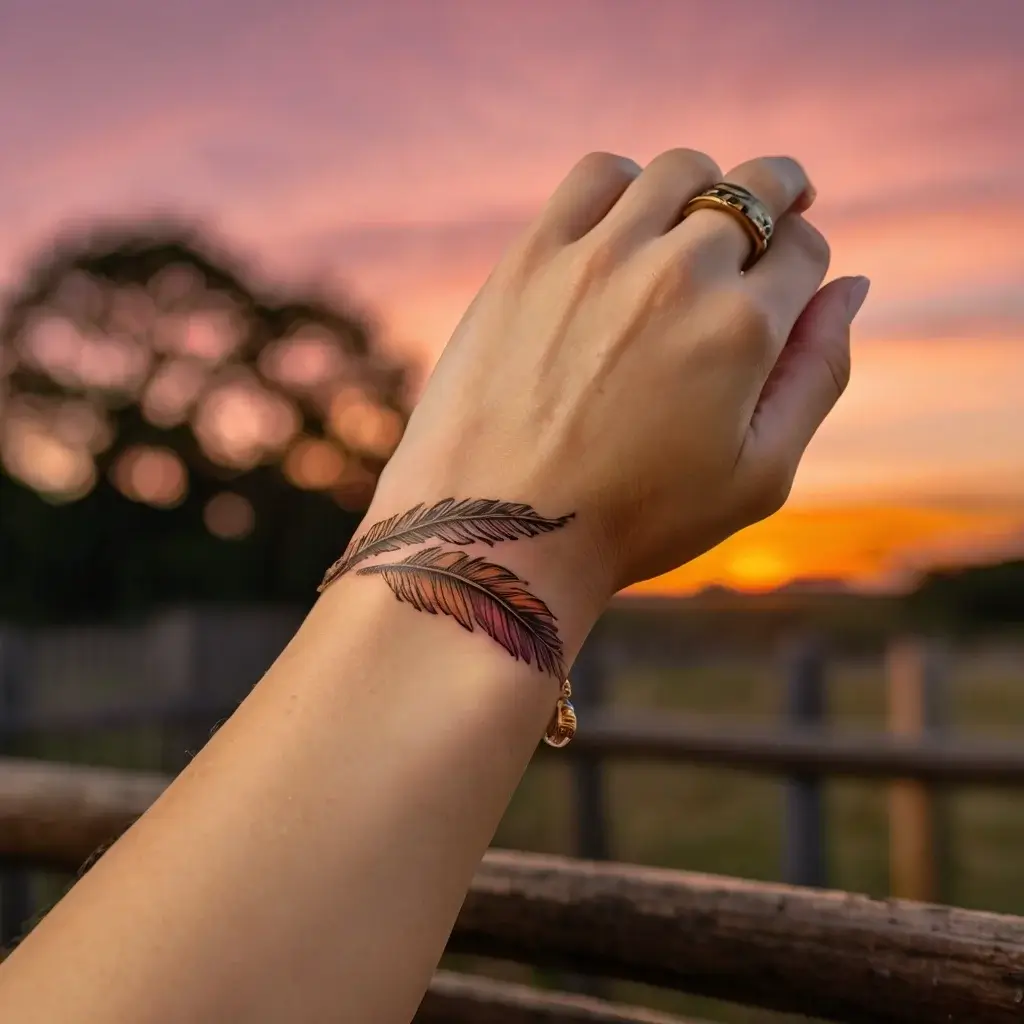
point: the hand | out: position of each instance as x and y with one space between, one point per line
619 365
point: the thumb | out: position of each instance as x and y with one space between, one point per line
810 375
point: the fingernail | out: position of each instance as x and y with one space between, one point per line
856 295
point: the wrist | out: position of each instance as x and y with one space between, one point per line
539 562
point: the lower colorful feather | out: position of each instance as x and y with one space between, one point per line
476 592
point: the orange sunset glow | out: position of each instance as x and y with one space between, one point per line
869 547
393 149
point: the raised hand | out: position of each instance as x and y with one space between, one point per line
627 367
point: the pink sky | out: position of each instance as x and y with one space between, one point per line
395 147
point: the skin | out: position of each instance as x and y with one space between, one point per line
310 862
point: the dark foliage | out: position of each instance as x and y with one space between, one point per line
975 599
99 553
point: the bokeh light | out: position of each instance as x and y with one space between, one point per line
82 425
85 358
47 445
209 335
362 424
229 516
155 476
240 423
306 360
315 465
34 455
172 391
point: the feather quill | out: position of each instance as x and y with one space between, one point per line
476 592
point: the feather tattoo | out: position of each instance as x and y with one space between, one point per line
476 592
464 521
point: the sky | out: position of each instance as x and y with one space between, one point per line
395 148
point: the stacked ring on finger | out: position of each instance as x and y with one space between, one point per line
745 207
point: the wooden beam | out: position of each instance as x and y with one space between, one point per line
687 739
470 999
58 816
692 739
825 954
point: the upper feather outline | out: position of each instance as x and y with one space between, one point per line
455 521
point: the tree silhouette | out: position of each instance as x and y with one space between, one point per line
971 599
174 429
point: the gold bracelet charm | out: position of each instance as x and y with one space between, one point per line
562 726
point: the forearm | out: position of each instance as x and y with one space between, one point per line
326 834
633 371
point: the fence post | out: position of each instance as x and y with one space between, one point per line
15 884
590 837
589 695
917 706
804 845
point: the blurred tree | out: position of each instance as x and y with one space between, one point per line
172 429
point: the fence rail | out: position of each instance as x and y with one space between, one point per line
668 736
57 816
791 750
166 682
468 999
827 954
921 759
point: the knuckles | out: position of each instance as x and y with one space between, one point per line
813 242
605 167
688 163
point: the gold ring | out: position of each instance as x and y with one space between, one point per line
744 207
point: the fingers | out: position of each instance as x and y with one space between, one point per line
654 201
778 181
786 278
586 195
807 381
632 205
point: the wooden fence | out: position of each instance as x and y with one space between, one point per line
918 754
826 954
174 677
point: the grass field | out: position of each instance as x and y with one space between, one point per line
728 822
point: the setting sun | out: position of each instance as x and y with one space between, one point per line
871 547
758 568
